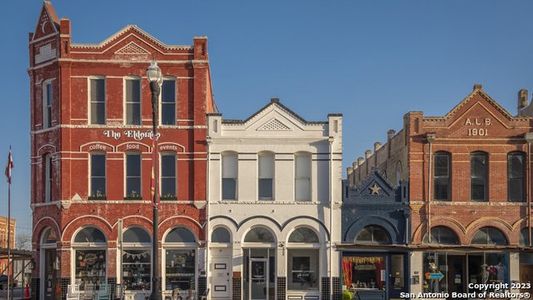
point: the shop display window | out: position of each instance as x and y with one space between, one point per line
180 269
90 269
364 272
303 269
136 269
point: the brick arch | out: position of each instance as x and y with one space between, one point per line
183 221
498 223
450 223
41 225
84 221
135 221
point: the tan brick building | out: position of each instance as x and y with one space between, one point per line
469 192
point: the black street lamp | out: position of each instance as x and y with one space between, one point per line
154 76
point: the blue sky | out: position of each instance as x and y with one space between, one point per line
371 60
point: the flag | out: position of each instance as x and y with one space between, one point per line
9 166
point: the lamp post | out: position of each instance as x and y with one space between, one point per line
154 76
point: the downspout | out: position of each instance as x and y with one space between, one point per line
529 139
430 138
330 140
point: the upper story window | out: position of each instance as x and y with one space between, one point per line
442 235
479 168
229 176
302 182
441 176
168 102
373 234
48 100
489 236
168 176
133 176
97 94
133 101
516 176
266 176
98 176
47 177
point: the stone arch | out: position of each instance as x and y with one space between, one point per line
356 226
84 221
451 223
181 221
498 223
318 228
41 225
251 223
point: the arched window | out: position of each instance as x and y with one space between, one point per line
220 235
48 236
489 236
180 260
47 177
479 169
259 235
266 176
136 235
373 234
229 176
90 261
89 235
442 235
516 176
180 235
136 259
302 184
524 240
303 235
441 176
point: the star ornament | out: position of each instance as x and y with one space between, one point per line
374 190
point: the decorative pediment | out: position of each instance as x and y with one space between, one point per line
132 48
47 23
374 187
273 125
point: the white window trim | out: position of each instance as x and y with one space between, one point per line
126 173
266 153
89 116
308 154
225 153
89 184
160 104
47 118
178 246
168 153
124 112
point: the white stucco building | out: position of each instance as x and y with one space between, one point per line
273 181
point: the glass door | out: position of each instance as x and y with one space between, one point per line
258 278
397 275
50 273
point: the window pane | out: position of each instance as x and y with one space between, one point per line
136 269
133 187
442 176
479 175
515 173
97 165
266 165
524 241
303 268
303 189
303 165
133 89
133 113
168 187
168 165
97 113
373 234
303 177
97 90
98 187
136 235
89 235
90 268
180 235
441 165
265 189
489 236
133 165
259 235
229 165
49 94
229 189
303 235
365 272
397 271
180 269
220 235
168 114
168 94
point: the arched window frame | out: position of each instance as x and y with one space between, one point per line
435 236
183 248
84 248
264 244
372 231
135 247
490 230
217 243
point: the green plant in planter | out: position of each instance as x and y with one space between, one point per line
347 295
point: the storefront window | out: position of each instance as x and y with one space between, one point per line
90 268
364 272
90 259
303 269
136 259
180 269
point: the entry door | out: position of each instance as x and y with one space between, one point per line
49 274
456 273
220 277
258 278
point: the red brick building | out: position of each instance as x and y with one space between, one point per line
469 175
91 160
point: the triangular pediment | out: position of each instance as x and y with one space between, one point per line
476 100
47 23
373 188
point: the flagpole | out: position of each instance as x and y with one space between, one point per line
9 240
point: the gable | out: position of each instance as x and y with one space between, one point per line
47 23
374 188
